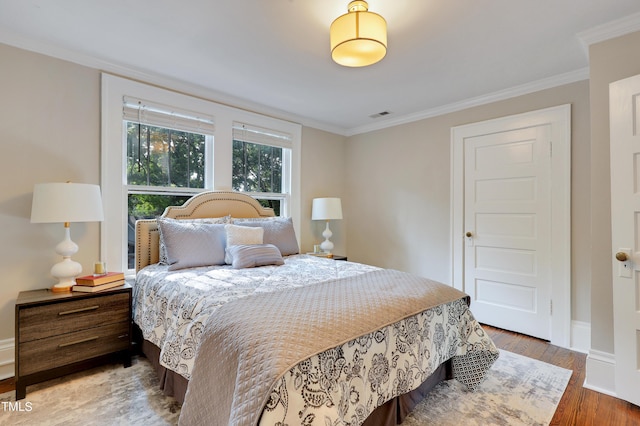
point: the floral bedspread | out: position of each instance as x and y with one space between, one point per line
340 386
172 307
343 386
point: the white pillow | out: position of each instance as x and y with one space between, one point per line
242 235
189 244
277 231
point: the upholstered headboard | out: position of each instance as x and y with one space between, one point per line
203 205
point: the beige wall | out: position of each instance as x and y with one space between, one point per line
323 175
609 61
398 184
49 131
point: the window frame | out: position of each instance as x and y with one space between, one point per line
270 138
113 230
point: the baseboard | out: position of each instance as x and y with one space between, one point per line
580 336
7 358
601 372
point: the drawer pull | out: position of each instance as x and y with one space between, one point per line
123 336
77 342
75 311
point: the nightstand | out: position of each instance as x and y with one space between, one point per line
61 333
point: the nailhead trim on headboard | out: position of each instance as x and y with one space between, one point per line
205 204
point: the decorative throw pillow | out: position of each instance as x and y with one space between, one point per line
250 256
192 244
163 249
237 235
277 231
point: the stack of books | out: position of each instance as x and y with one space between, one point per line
94 283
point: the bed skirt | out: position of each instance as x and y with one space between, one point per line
391 413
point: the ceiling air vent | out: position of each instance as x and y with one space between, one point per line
380 114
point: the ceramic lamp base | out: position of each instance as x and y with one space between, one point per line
60 288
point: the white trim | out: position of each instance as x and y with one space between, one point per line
610 30
49 49
591 36
560 119
524 89
601 372
46 48
580 336
113 231
7 358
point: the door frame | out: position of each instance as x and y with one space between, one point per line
559 118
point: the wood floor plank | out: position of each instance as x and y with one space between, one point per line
7 385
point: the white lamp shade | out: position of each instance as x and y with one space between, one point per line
66 202
326 209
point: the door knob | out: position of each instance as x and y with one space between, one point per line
622 256
469 234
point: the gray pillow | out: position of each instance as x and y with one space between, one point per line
163 250
192 244
252 255
277 231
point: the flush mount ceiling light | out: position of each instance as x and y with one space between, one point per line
359 37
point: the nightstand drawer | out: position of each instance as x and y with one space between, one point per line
39 322
61 350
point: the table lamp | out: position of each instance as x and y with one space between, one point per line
66 203
326 209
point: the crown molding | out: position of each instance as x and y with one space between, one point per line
48 49
610 30
524 89
121 70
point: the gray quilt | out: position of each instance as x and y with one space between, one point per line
250 344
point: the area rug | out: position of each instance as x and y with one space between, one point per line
517 391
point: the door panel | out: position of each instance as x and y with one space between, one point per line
506 225
505 260
507 213
506 294
509 189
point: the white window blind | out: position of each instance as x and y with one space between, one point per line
154 114
254 134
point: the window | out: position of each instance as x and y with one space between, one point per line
261 165
160 147
165 165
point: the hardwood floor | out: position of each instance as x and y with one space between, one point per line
578 406
7 385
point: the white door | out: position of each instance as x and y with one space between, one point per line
507 229
625 233
511 191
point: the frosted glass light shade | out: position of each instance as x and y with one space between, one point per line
359 37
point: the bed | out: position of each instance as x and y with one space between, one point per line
260 334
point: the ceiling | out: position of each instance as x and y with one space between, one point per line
273 56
